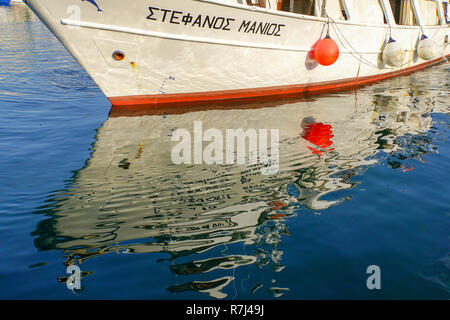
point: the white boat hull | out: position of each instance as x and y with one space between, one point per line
175 54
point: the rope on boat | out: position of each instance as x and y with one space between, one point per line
359 56
340 34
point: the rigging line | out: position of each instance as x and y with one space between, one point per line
338 31
328 27
363 59
352 51
421 29
356 55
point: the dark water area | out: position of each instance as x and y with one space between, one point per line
362 181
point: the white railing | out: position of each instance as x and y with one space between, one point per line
350 8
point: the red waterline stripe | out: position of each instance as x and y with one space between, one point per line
255 94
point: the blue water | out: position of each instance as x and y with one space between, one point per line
79 186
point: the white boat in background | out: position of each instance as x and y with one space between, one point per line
179 52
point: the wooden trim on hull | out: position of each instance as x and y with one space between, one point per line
257 94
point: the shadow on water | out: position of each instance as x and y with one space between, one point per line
131 198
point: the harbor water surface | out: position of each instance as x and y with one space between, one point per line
362 181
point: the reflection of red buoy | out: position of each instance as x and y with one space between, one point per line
326 51
276 216
320 135
276 205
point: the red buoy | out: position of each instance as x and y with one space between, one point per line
326 51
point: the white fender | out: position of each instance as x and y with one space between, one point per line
393 54
427 49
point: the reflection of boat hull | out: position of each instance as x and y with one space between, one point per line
318 140
260 94
130 198
165 60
